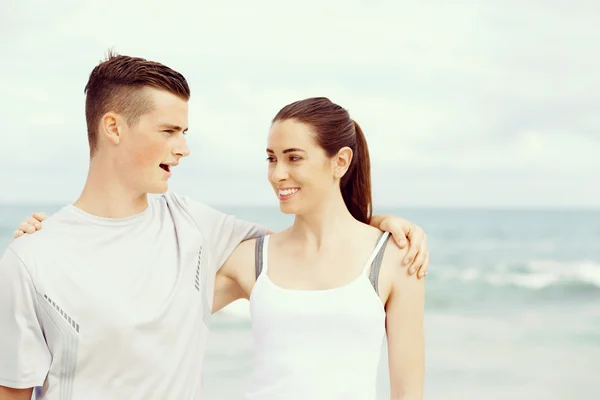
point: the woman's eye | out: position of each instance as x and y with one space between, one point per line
271 159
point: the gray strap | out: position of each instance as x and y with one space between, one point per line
376 266
258 258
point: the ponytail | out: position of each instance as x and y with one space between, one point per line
356 183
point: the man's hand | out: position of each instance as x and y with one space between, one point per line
406 233
30 225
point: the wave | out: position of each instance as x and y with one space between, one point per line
534 275
538 282
451 286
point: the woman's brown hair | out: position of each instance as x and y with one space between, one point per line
334 129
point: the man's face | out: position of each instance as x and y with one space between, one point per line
150 149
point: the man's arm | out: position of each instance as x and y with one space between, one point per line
228 232
7 393
223 232
236 277
404 232
24 355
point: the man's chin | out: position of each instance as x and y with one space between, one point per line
161 189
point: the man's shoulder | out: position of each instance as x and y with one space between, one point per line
58 231
184 212
55 225
172 199
200 212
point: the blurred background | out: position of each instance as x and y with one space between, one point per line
483 126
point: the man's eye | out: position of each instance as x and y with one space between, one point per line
271 159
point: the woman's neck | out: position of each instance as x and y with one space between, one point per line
324 225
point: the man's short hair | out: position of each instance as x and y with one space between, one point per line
117 84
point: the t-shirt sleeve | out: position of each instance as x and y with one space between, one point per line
24 355
223 232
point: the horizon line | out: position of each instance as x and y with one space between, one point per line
481 207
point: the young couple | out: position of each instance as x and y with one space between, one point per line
112 299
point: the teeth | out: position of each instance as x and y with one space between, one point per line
287 192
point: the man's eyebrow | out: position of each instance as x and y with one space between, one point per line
173 127
290 150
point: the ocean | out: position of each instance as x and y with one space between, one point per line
513 305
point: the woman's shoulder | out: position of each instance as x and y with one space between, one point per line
280 236
393 269
392 251
248 247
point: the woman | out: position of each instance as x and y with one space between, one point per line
325 291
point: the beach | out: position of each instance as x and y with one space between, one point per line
512 305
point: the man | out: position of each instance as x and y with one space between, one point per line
113 298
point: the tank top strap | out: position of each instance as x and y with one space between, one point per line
374 275
380 242
260 255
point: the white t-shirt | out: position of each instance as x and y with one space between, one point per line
96 308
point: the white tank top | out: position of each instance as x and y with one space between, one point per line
316 344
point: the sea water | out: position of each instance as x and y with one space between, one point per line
512 312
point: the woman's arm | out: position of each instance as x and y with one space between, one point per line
405 333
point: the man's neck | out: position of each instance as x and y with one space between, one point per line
110 206
105 195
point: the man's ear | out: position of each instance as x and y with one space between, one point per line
110 127
341 162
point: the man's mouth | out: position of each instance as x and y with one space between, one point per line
165 167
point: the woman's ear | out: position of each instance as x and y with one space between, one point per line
341 162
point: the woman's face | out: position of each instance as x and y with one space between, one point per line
301 173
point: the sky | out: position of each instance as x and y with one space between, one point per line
464 104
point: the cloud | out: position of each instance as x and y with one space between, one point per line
491 104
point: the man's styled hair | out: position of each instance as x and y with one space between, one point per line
117 84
